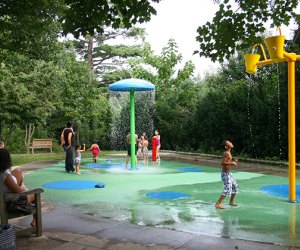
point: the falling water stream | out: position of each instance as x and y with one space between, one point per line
279 113
144 116
250 83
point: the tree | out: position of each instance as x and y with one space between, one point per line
28 90
108 59
162 70
79 100
29 43
244 110
173 91
30 27
237 25
92 16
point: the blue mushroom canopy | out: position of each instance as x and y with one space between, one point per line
128 84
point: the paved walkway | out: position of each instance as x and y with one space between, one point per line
63 228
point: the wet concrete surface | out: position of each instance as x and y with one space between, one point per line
63 229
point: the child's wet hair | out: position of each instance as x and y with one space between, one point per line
77 146
69 124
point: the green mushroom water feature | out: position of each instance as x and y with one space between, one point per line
132 85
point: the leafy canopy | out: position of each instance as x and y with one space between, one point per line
30 27
162 70
87 17
237 25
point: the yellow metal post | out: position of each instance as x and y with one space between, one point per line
276 50
292 131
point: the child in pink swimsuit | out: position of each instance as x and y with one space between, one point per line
95 151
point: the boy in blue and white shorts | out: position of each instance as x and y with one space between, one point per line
230 183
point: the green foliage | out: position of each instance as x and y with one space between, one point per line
43 83
243 110
90 17
238 26
162 69
174 92
107 59
80 101
174 117
15 140
30 27
114 76
28 88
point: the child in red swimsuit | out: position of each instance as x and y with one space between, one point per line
95 151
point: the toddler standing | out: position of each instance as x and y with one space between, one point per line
78 152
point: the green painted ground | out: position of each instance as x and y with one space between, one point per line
258 217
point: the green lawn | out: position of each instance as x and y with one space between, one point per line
19 159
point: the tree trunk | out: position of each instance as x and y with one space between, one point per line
29 130
90 57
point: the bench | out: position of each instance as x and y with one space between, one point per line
37 210
41 143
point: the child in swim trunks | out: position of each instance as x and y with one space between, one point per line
78 152
140 148
95 151
230 183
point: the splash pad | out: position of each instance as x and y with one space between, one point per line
183 198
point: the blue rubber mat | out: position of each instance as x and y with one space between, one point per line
189 169
70 185
105 165
281 190
167 195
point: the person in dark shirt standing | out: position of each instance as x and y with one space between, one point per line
68 144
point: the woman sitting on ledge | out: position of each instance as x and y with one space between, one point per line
12 179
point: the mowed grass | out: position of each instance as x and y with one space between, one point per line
19 159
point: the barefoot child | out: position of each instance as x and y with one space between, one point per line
78 152
95 151
145 148
140 148
158 144
230 184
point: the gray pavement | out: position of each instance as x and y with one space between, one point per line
64 228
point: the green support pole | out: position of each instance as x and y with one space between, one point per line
132 128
